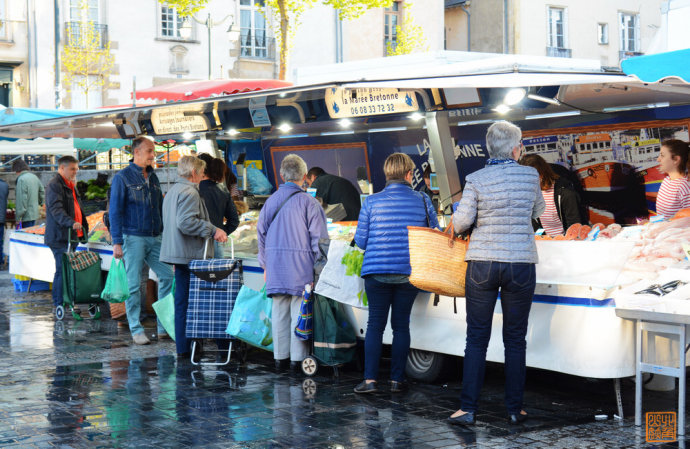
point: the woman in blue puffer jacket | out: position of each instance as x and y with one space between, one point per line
382 233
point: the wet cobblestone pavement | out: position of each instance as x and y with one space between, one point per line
84 384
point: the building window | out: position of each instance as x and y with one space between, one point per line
630 31
89 14
79 93
77 31
253 29
603 33
4 24
173 26
178 60
557 28
392 17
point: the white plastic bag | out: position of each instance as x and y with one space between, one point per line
335 284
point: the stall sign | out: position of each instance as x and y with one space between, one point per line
178 120
343 103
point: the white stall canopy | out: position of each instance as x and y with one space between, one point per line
38 146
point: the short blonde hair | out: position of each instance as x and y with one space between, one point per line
397 166
187 165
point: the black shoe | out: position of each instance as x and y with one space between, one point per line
282 365
517 418
295 367
397 387
467 419
365 387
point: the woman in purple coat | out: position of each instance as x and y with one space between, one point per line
289 228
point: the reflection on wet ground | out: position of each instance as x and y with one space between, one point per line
84 384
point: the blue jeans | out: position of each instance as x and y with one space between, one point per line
383 297
182 276
137 250
516 282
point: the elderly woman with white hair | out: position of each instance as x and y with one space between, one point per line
289 228
500 200
185 232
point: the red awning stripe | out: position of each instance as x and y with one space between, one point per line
192 90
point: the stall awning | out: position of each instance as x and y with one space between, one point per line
659 67
11 116
192 90
100 145
37 146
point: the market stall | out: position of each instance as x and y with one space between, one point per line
437 111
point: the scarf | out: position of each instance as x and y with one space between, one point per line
77 210
491 161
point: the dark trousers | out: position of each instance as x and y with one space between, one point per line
384 297
516 282
182 276
2 242
58 251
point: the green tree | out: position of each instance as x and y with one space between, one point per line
289 12
86 59
410 37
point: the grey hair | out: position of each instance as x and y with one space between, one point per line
187 165
501 138
293 168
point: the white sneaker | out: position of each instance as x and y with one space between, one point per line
140 339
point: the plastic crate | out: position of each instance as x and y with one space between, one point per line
36 286
19 277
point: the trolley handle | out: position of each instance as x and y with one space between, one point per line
232 247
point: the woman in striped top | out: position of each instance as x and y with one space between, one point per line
674 192
562 201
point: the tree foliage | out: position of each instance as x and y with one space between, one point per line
410 37
86 59
288 13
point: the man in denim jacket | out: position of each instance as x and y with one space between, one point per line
136 226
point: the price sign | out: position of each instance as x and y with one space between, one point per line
343 103
178 120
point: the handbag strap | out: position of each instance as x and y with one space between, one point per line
280 207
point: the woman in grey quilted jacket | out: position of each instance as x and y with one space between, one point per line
500 200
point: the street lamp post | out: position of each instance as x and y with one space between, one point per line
210 23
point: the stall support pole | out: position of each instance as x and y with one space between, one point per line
444 157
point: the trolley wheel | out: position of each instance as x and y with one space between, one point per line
309 388
309 366
95 311
59 312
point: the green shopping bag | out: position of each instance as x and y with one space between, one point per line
165 312
250 320
116 287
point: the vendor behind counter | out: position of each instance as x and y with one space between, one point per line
334 189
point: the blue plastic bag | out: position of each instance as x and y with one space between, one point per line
258 183
250 320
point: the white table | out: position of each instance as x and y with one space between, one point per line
651 323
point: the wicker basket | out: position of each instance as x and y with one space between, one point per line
437 260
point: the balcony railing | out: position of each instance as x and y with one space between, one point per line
76 32
558 52
257 46
623 55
